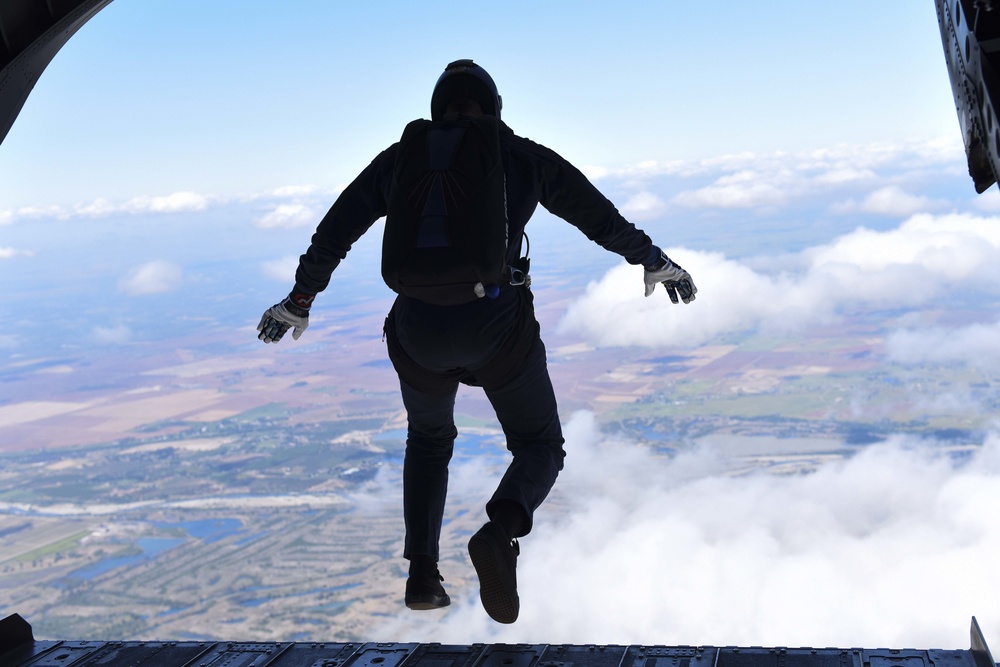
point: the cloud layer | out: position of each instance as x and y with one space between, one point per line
289 206
288 216
975 344
156 277
926 259
177 202
879 179
650 550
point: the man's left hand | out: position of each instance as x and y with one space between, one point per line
676 280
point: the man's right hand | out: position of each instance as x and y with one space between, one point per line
281 317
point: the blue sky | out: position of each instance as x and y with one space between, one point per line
154 97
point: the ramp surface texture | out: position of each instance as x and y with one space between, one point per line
233 654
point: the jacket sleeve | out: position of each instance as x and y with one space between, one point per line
352 214
564 191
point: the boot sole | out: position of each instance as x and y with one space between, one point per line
426 602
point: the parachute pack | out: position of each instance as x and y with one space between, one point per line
445 239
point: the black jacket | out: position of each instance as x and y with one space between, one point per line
535 175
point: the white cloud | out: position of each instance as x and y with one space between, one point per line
178 202
923 259
174 203
643 206
987 202
33 212
114 335
98 208
948 248
744 189
951 404
282 270
594 172
839 175
884 548
288 216
10 253
154 277
755 180
184 202
892 200
977 345
731 297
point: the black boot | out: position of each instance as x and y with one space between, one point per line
423 587
494 555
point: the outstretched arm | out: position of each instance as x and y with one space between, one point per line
567 193
356 209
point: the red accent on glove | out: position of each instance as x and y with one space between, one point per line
302 300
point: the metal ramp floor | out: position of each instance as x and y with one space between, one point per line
19 649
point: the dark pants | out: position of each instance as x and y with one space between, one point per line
525 407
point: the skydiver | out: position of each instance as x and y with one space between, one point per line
492 342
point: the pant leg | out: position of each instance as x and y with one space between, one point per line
430 440
526 409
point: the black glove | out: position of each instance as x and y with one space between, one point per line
675 279
292 313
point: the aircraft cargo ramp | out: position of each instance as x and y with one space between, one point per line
19 649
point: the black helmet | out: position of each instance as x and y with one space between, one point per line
464 78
